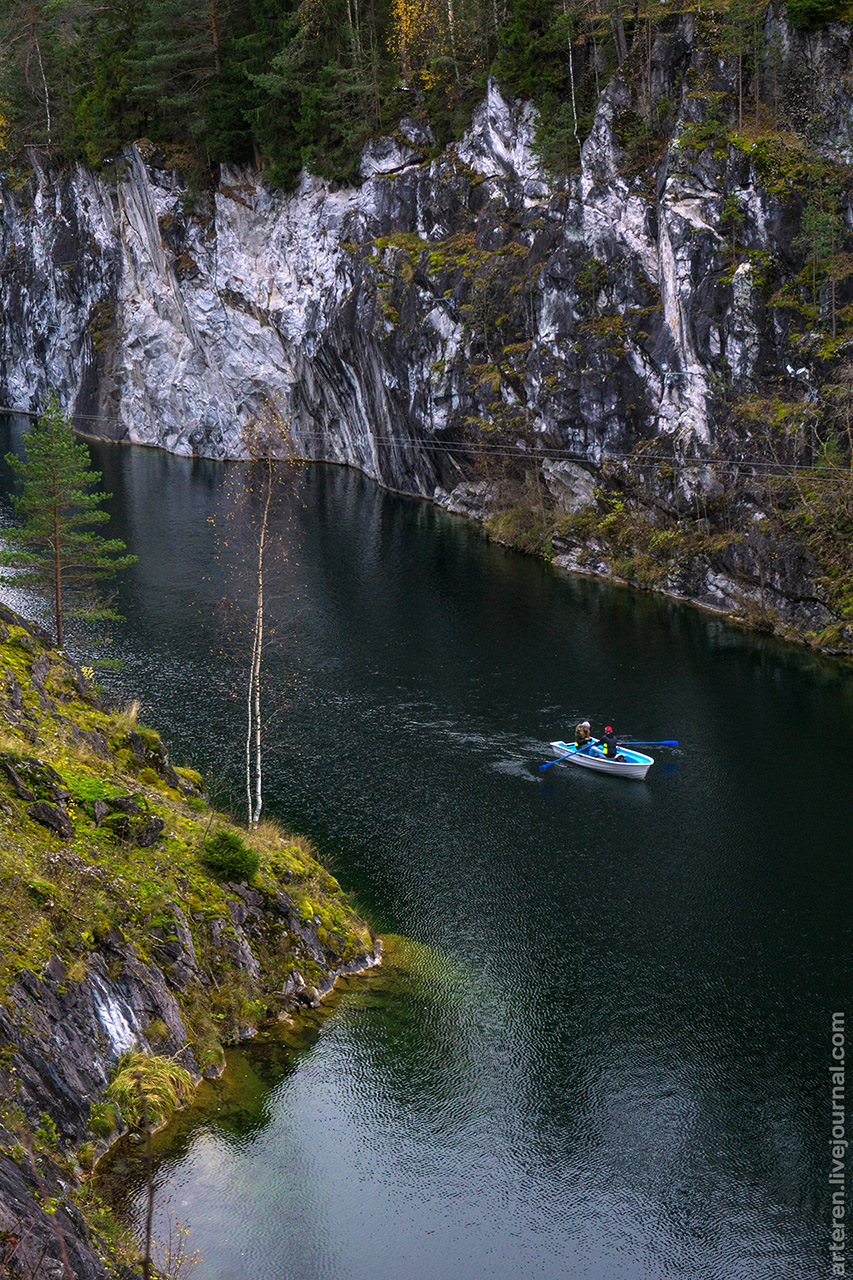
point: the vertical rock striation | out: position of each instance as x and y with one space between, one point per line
583 315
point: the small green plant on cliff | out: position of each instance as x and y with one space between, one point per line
817 507
116 1242
523 526
163 1084
102 1119
102 323
228 856
639 545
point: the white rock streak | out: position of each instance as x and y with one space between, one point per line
117 1020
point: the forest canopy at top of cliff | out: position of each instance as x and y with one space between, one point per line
295 84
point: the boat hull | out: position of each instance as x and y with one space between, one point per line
635 764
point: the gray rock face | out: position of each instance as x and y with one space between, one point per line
63 1035
34 1242
594 312
71 1034
52 817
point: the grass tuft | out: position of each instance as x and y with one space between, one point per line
164 1086
128 717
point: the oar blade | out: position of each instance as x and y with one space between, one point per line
548 763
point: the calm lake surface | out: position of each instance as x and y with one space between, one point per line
607 1056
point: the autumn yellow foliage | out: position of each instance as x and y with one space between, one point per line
420 33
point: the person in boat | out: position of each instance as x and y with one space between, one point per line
609 745
582 735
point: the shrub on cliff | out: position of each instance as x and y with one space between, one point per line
228 857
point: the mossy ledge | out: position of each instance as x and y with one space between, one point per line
118 938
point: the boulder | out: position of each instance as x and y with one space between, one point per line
16 700
124 804
143 832
22 791
53 818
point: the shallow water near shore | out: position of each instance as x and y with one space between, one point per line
606 1058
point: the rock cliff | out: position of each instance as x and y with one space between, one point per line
465 296
117 934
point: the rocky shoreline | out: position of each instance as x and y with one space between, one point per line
117 937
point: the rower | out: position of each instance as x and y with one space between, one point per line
582 735
610 746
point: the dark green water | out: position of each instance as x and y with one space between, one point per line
608 1061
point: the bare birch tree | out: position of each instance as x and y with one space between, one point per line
269 444
254 762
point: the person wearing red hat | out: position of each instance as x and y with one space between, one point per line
609 744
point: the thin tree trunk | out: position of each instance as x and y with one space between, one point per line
572 80
254 736
250 702
356 35
814 279
451 22
775 95
34 44
57 558
351 22
214 31
617 29
404 49
259 649
832 280
756 44
149 1178
377 101
46 93
57 579
740 88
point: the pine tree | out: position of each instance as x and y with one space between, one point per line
56 547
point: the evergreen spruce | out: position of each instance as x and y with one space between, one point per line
57 548
176 55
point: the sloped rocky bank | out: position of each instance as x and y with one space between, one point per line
116 935
521 348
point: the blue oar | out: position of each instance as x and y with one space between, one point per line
634 742
547 765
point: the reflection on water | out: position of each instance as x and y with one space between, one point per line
609 1060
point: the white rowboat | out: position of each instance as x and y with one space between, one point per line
634 764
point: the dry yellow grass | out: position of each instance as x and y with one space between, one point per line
128 717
